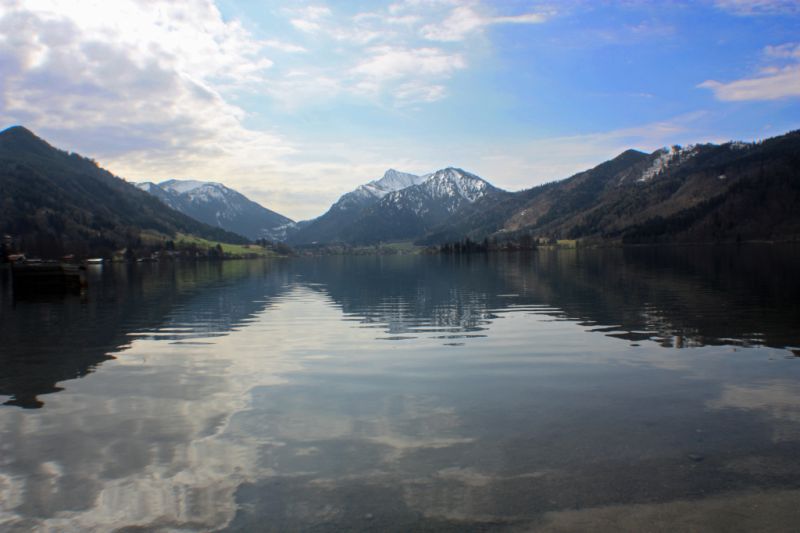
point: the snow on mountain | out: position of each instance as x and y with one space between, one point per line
666 158
368 193
184 186
411 212
455 182
448 189
349 207
217 205
202 191
392 180
739 145
149 187
283 232
398 205
166 196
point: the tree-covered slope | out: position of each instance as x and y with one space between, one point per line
57 202
700 193
217 205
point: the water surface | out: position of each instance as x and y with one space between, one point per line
562 390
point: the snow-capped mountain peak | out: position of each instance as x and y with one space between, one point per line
452 181
392 180
441 193
203 191
398 205
217 205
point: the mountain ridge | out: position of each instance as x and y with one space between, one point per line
415 204
55 201
347 208
700 193
218 205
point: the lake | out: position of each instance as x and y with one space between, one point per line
639 389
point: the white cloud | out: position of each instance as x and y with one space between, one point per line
419 92
785 83
147 87
306 25
283 46
464 21
773 82
759 7
403 54
141 86
389 63
409 75
321 21
316 12
377 54
787 50
309 18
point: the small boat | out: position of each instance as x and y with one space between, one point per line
94 261
34 277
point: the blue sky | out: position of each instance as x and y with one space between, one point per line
295 103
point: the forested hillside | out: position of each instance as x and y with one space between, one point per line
54 202
701 193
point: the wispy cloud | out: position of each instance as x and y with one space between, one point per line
415 66
525 163
406 52
759 7
310 18
783 83
772 82
465 20
787 50
283 46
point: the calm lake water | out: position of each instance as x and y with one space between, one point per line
637 389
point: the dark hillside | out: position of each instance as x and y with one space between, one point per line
57 202
702 193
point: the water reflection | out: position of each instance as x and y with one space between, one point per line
51 339
677 296
515 392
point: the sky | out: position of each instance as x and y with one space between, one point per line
294 103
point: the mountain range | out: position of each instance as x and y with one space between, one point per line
699 193
217 205
54 201
398 206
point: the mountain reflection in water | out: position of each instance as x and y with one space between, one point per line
409 392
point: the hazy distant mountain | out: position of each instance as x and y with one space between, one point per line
700 193
54 201
217 205
397 206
